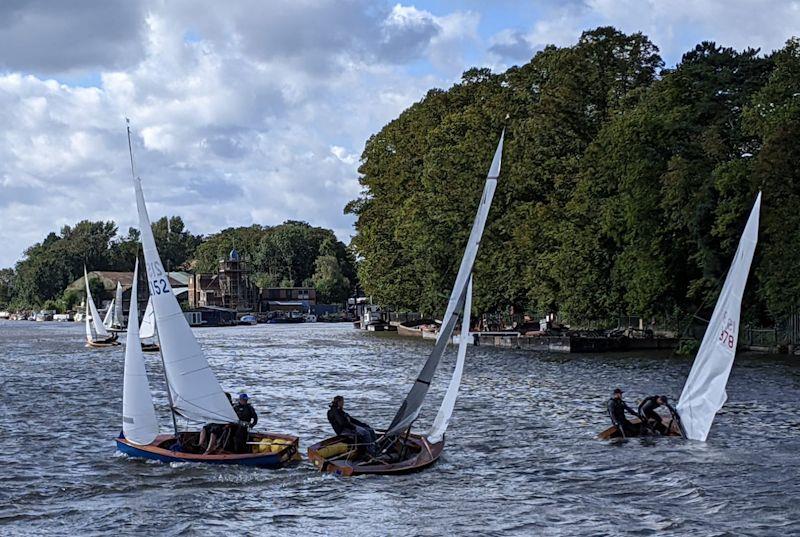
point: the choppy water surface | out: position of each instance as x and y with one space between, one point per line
520 458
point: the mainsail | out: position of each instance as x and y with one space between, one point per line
91 311
148 327
412 404
195 391
108 320
449 402
139 423
704 392
118 316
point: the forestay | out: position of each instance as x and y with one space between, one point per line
147 329
195 391
117 318
449 402
139 423
412 404
704 392
91 310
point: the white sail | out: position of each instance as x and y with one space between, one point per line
412 404
108 320
147 329
99 329
139 423
87 320
195 391
118 317
704 392
449 402
475 236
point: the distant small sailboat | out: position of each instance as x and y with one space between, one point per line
147 330
401 450
192 388
704 392
100 337
116 321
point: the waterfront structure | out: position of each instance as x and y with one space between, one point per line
288 299
230 287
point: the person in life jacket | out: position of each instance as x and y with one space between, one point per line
616 411
345 424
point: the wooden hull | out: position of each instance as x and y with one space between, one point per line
423 455
150 347
614 432
159 450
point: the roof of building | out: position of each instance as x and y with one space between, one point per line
109 279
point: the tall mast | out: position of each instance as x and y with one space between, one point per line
158 336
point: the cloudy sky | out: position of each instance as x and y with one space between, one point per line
257 111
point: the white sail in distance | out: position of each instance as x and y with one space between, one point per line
139 422
118 317
412 404
147 329
108 320
704 392
442 420
196 393
99 329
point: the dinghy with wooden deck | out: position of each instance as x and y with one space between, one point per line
673 429
399 449
704 392
337 456
192 388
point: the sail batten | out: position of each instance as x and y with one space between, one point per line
412 404
194 387
704 392
139 422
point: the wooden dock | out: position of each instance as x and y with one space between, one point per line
571 344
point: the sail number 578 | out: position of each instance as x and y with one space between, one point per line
727 338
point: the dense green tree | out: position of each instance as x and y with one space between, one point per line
175 243
330 283
218 246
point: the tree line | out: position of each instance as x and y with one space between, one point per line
291 254
624 187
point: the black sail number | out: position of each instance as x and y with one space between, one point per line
159 286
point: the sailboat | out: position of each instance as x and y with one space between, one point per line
401 450
100 337
147 330
704 392
114 320
192 388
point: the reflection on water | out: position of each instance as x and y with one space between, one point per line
521 455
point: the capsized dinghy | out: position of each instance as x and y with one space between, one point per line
193 390
402 451
704 392
100 338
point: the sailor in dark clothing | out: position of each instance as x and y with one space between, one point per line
617 409
647 411
345 424
245 411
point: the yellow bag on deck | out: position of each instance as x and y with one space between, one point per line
263 446
333 450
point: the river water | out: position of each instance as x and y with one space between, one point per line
521 455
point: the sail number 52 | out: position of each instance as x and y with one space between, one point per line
159 286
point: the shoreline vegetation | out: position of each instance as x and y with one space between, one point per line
624 189
290 254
